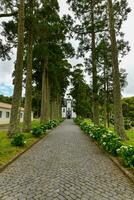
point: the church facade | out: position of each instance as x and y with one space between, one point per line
67 108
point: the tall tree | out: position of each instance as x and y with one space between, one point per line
104 62
118 116
28 94
14 119
45 101
80 92
94 67
91 20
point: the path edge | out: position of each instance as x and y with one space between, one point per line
2 168
124 170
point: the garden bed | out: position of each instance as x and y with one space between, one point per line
121 152
9 152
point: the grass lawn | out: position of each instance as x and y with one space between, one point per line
130 134
8 151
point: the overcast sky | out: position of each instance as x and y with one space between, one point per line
6 67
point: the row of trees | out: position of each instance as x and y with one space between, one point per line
40 35
97 26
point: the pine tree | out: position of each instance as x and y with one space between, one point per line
118 116
91 17
28 95
15 111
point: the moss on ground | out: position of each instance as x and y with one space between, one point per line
130 134
8 151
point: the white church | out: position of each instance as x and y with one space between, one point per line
67 108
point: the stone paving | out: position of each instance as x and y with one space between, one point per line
65 165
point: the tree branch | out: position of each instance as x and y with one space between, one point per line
8 14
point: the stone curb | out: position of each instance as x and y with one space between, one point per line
20 154
116 162
123 169
128 174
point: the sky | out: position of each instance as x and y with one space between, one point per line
6 67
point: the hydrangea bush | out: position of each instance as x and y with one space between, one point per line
41 129
127 153
109 140
18 140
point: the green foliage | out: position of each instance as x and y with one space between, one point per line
127 153
5 99
80 93
97 132
38 131
78 120
112 120
130 134
52 123
107 139
128 109
18 140
127 124
110 142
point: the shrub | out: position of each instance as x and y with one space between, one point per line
110 142
38 131
43 127
127 124
97 132
112 120
127 153
49 125
85 124
78 120
55 123
132 124
18 140
108 139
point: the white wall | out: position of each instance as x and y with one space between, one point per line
4 119
64 110
73 114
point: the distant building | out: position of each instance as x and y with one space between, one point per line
5 112
67 108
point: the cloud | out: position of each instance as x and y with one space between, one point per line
128 61
6 90
6 67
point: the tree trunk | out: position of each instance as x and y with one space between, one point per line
118 116
105 99
52 109
55 109
28 96
45 101
16 101
94 70
59 108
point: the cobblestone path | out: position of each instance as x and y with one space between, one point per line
64 165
